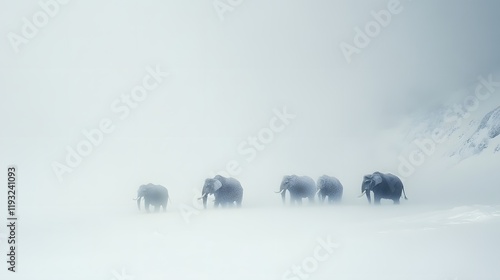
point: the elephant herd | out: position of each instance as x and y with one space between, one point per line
229 192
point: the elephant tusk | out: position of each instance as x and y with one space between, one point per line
203 196
361 195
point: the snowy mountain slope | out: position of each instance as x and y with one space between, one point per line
460 127
482 139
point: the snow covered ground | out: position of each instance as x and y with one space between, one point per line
312 242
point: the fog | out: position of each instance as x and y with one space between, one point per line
250 89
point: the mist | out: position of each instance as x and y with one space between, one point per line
100 98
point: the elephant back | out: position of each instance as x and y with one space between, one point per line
231 182
306 181
391 179
228 182
159 191
329 182
336 183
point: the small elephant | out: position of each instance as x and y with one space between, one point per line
329 187
299 187
387 186
155 195
227 191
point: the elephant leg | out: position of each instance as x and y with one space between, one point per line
146 205
330 199
216 203
299 201
376 199
396 201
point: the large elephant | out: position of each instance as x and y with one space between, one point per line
227 191
383 185
299 187
155 195
329 187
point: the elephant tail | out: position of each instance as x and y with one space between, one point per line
404 193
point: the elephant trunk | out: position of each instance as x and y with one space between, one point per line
205 196
368 197
283 192
139 202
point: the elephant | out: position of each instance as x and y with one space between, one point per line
155 195
331 187
383 185
299 187
227 191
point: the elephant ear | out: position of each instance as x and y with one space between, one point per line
367 178
287 180
217 185
218 177
377 179
321 181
